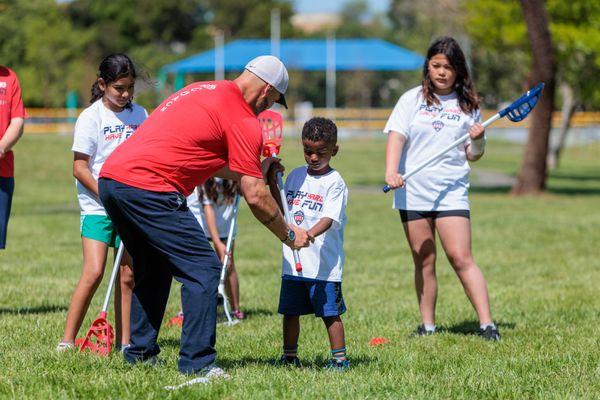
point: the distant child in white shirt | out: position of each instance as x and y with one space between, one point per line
111 119
316 198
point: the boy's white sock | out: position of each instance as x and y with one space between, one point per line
429 327
483 326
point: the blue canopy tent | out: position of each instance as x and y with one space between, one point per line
302 54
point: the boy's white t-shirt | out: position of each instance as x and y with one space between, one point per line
444 184
98 132
223 210
311 198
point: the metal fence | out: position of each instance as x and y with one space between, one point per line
62 120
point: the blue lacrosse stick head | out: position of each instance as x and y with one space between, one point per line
521 107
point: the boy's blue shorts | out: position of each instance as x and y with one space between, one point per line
301 297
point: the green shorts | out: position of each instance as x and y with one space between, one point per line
100 228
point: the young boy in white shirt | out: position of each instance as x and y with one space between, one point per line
316 198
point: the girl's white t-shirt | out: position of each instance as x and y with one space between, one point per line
309 199
223 210
98 132
428 129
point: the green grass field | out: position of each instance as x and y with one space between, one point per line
540 256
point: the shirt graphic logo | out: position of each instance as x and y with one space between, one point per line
298 217
437 125
2 84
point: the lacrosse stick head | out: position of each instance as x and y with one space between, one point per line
99 338
271 124
519 109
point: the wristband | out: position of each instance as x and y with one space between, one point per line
478 146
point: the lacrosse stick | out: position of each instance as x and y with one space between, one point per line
515 112
272 130
100 336
221 289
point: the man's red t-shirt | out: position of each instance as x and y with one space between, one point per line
11 106
191 135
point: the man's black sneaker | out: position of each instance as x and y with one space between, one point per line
421 331
286 361
490 333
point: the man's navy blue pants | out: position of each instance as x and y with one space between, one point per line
7 187
165 240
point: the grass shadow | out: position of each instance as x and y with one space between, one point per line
169 342
574 177
316 363
33 310
257 312
574 191
470 327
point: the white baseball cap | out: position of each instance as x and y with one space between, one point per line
271 70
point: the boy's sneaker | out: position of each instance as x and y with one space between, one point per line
286 361
490 333
337 365
65 346
421 331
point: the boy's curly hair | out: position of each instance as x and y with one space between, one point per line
318 128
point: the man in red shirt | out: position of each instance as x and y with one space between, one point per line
12 118
205 129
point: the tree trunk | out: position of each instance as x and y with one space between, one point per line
568 109
531 178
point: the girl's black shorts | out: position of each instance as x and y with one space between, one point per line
410 215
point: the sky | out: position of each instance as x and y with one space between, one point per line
309 6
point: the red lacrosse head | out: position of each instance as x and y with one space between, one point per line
176 320
99 338
271 124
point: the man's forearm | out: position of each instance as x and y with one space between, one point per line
274 190
12 135
263 206
268 213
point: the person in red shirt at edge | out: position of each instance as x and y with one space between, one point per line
12 118
205 129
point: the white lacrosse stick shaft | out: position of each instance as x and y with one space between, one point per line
221 289
440 153
113 276
286 214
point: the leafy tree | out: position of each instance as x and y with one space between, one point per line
502 53
415 24
249 18
44 48
151 32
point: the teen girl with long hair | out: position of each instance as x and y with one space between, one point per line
426 119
